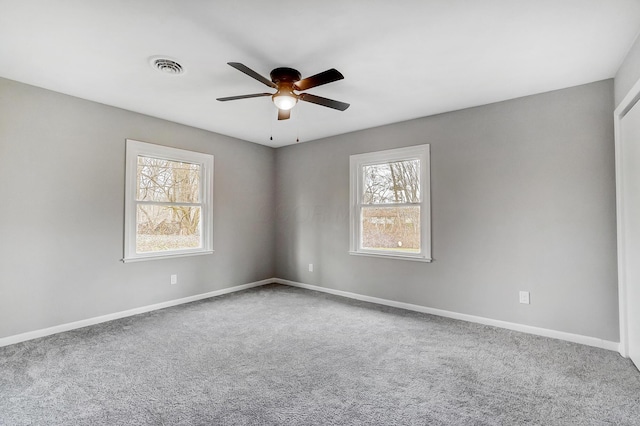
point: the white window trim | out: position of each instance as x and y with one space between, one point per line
133 150
356 162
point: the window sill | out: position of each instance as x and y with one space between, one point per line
392 256
165 256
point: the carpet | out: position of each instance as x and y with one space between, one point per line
278 355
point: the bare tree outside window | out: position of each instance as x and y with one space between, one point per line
390 216
166 217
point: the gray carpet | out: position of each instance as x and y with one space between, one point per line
277 355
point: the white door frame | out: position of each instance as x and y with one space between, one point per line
627 103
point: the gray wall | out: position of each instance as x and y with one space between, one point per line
523 198
522 195
628 73
61 220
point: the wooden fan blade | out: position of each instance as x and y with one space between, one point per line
233 98
319 79
284 114
307 97
251 73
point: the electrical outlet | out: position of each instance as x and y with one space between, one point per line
174 279
524 297
311 267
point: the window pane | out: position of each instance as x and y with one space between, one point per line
394 182
167 181
162 228
391 229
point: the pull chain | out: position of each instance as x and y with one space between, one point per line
271 123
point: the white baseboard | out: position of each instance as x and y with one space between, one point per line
570 337
561 335
17 338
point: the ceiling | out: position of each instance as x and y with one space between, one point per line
401 59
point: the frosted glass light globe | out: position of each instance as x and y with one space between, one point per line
284 102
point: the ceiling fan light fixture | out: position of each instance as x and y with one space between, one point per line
285 81
285 101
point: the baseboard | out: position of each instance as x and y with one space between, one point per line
561 335
5 341
570 337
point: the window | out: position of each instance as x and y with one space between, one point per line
168 202
390 204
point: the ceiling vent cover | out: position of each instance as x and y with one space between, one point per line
166 65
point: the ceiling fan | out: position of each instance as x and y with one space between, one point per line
286 81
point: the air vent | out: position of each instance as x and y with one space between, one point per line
166 65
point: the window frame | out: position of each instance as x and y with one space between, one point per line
134 149
356 164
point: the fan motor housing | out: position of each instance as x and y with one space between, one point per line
285 75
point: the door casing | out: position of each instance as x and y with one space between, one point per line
625 106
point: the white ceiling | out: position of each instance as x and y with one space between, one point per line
401 59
